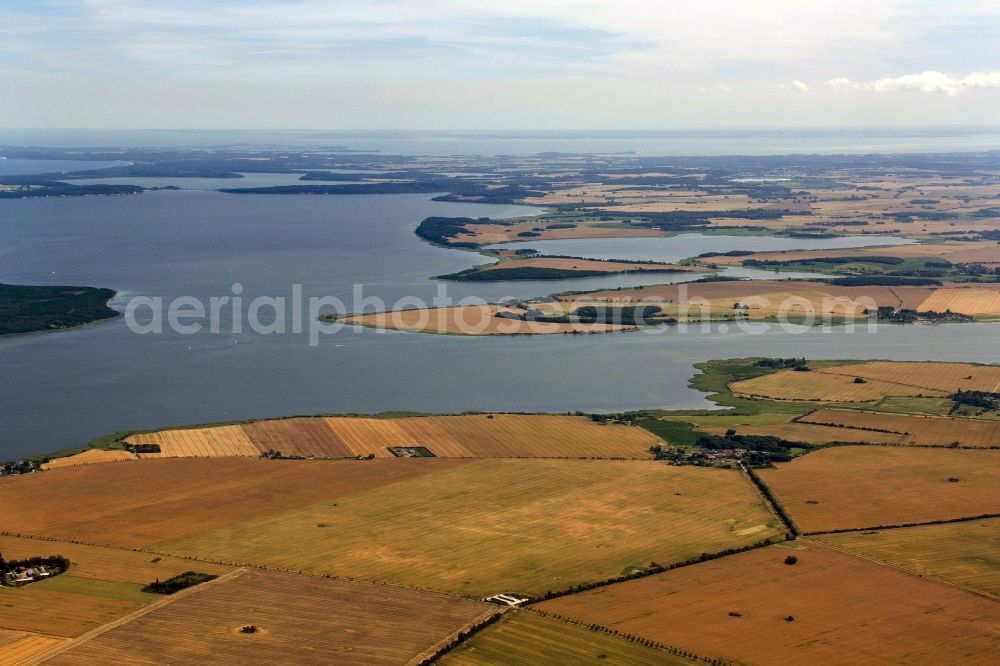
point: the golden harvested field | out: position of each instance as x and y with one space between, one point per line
219 441
37 608
966 553
88 457
763 298
822 387
771 297
866 486
364 436
301 620
523 637
17 647
931 430
944 377
465 436
138 504
813 434
844 610
470 320
883 378
527 436
965 300
499 525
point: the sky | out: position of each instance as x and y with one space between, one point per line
497 64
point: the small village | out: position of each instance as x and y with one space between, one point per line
730 458
19 467
17 573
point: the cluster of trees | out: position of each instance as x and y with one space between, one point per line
178 582
890 261
607 314
780 363
789 524
980 399
628 418
25 308
884 281
442 230
143 448
908 316
977 270
57 189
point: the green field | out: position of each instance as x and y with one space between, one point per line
106 589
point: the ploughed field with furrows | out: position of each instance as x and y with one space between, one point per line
299 619
826 608
19 647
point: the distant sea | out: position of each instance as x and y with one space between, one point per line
640 142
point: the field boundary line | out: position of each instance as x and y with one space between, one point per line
117 622
656 645
893 292
654 570
765 493
898 567
925 523
453 640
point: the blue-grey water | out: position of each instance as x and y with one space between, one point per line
682 246
61 389
13 167
247 180
731 141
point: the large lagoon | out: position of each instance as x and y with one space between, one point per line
61 389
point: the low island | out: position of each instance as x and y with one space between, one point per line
27 309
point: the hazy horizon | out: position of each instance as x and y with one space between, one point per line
569 64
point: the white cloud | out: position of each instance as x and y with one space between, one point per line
840 82
930 81
796 86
